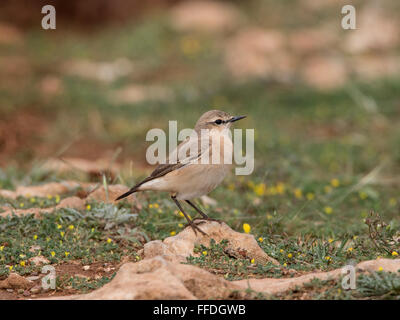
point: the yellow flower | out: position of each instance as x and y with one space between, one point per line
180 225
327 258
269 217
355 237
62 233
231 186
290 255
109 240
52 253
328 210
59 226
252 260
1 248
66 253
21 204
380 269
22 263
181 214
310 196
10 268
22 255
394 254
298 193
246 228
280 188
172 233
92 229
285 264
150 206
190 46
281 251
204 253
71 227
49 196
363 195
260 239
35 237
156 205
392 202
330 240
32 200
259 189
47 239
350 249
335 183
88 207
57 198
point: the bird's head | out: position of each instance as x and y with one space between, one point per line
217 120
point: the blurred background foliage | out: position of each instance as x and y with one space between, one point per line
324 102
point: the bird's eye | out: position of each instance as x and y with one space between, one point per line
218 121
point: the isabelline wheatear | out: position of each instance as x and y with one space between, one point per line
197 165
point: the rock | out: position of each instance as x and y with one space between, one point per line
70 202
96 167
10 35
34 248
135 93
107 71
205 16
86 268
258 53
325 72
181 246
52 188
36 289
157 278
113 192
32 278
15 281
376 30
38 260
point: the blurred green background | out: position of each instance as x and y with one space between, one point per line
324 102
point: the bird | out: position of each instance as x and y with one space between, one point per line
190 172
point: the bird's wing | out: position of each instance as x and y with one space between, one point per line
187 152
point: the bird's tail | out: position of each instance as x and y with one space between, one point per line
133 190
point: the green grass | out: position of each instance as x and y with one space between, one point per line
324 190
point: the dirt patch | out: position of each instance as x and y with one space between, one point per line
19 131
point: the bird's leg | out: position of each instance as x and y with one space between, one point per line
205 217
190 222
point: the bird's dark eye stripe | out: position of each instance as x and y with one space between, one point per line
219 121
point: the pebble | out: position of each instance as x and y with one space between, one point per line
86 268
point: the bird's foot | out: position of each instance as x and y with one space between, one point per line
195 228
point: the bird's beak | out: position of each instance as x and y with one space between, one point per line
236 118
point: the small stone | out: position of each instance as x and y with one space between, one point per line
86 268
10 290
36 289
21 291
